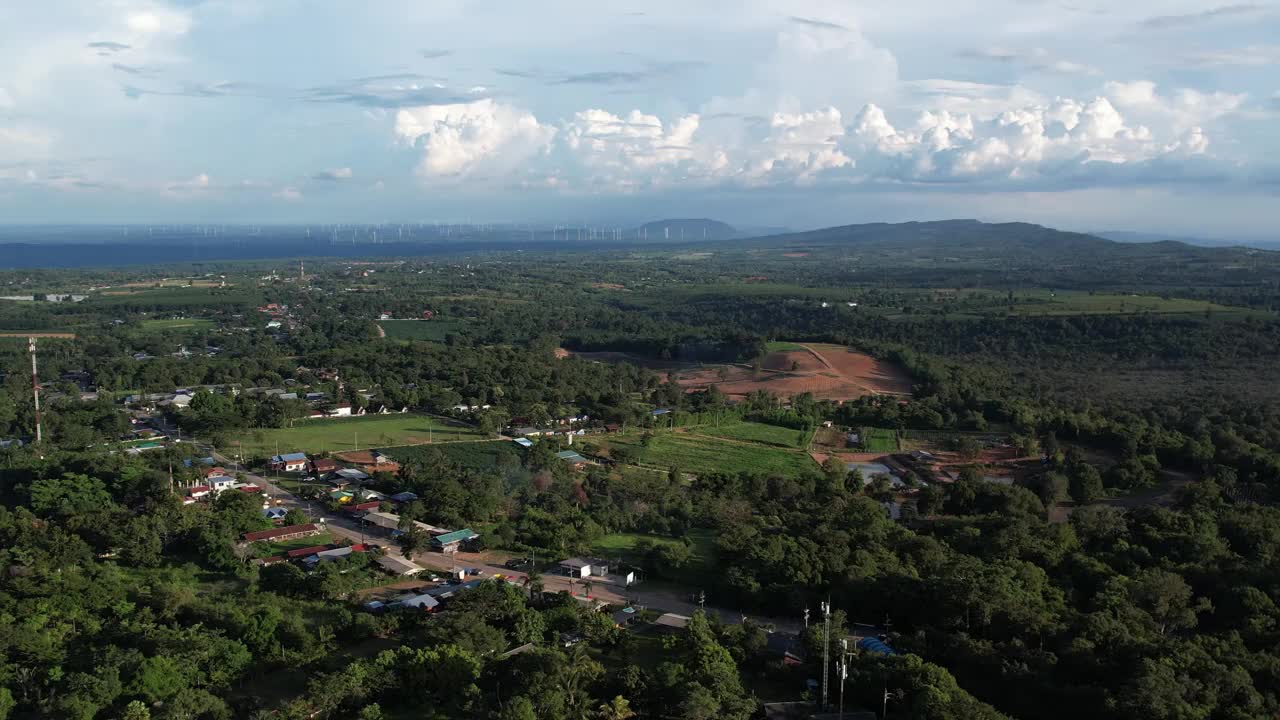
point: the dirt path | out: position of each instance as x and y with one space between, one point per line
381 333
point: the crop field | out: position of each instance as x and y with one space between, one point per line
879 440
342 434
754 432
191 324
700 454
429 330
483 455
180 297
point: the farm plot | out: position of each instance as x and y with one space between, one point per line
754 432
701 454
338 435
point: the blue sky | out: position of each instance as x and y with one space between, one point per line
1158 116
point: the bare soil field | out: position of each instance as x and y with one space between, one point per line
876 375
828 372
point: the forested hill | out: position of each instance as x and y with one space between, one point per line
970 238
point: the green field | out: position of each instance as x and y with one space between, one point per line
782 346
485 455
429 330
703 546
879 440
1050 302
342 434
191 324
179 297
700 455
754 432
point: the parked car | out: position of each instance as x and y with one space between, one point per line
517 563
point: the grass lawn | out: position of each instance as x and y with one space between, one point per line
879 440
343 434
775 435
430 330
280 548
696 454
782 346
177 324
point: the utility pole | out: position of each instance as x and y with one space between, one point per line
35 387
844 671
826 649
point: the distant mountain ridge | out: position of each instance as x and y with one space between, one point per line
687 230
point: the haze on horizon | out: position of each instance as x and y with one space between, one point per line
1152 116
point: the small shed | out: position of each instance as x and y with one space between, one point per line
576 567
291 462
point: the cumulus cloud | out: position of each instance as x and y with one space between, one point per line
474 138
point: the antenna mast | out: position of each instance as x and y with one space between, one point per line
35 386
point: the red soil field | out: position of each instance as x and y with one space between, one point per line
830 373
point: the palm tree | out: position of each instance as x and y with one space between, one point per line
533 581
617 709
586 587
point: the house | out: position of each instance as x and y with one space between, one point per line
450 542
524 442
275 513
322 466
530 431
359 508
786 646
420 602
199 492
306 552
273 325
179 401
212 471
10 443
218 483
398 565
292 462
623 617
577 567
340 411
575 460
401 498
285 533
248 489
336 553
349 475
342 497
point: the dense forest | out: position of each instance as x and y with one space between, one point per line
121 601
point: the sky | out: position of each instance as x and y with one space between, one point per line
1082 114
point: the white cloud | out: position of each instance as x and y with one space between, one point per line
471 138
191 187
288 194
1185 108
334 174
1248 56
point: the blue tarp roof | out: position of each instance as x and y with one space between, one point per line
660 411
291 457
874 645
